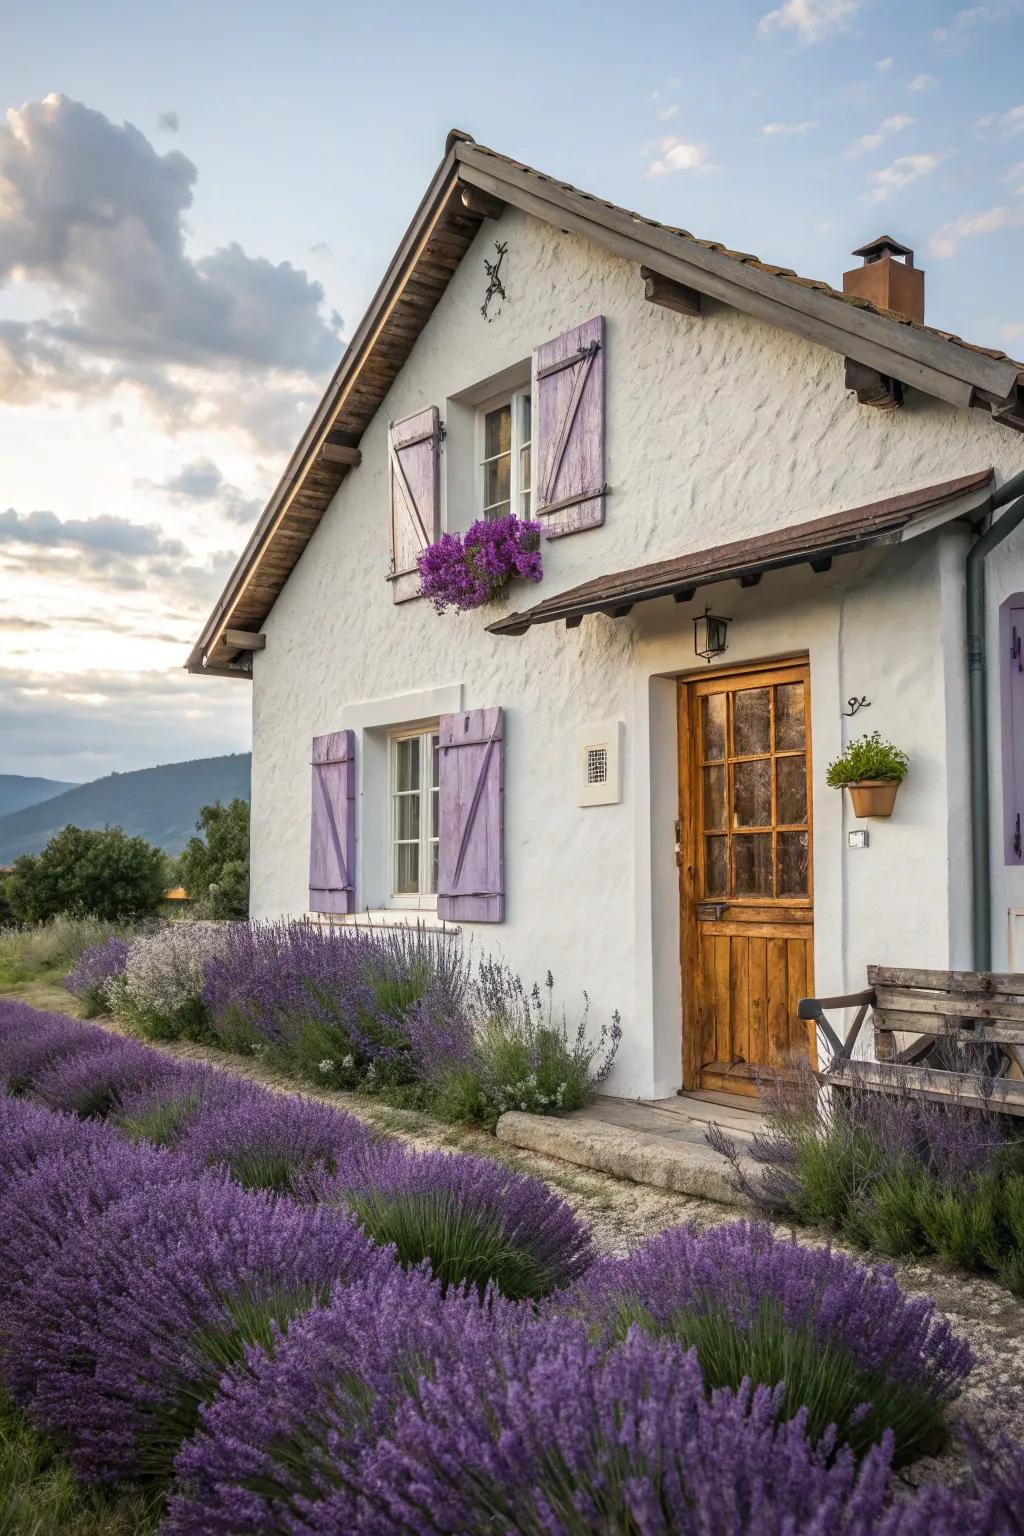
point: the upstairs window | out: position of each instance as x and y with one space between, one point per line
506 437
414 796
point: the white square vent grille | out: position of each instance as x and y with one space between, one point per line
597 759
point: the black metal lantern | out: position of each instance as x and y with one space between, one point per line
709 635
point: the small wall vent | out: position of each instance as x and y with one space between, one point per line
597 756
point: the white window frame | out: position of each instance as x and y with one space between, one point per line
423 901
520 499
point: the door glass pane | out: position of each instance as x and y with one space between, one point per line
752 794
407 868
407 763
407 809
716 866
714 797
751 730
712 715
789 717
791 781
752 864
792 863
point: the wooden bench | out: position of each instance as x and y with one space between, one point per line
942 1034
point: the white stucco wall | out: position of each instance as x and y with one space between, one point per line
717 428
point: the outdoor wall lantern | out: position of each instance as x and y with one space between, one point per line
709 635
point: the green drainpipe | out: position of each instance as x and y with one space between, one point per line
981 882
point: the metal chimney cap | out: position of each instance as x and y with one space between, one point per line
884 245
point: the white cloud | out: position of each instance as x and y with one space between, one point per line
812 20
946 240
169 122
901 173
679 156
784 130
885 129
955 35
884 65
668 113
1013 121
1012 332
924 82
1015 177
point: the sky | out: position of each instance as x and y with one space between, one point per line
197 202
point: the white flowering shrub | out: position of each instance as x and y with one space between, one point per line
161 990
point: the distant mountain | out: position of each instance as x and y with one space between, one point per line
16 791
160 804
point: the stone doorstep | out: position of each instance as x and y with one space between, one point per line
645 1157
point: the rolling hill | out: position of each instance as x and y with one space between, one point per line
16 791
160 804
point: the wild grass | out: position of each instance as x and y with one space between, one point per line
47 951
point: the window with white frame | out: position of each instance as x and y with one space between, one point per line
506 432
413 800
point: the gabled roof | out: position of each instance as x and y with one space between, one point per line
815 543
472 183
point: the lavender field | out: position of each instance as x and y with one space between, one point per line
259 1316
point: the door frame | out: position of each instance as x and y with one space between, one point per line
686 835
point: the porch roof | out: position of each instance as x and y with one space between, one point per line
816 543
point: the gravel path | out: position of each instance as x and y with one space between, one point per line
622 1214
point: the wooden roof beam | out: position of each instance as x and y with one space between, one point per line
476 200
244 640
670 294
338 453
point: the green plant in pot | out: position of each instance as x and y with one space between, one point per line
872 769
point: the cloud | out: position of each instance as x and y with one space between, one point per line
783 130
1013 121
1012 332
677 156
321 248
1015 177
812 20
885 129
94 216
956 34
203 481
946 240
169 122
884 65
901 173
668 113
100 537
923 82
17 623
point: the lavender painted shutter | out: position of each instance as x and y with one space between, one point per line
332 833
413 496
569 430
471 859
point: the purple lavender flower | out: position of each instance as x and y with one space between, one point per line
465 573
161 1112
90 1082
29 1132
31 1041
125 1334
476 1222
96 968
288 1431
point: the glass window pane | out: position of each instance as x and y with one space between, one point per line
752 864
716 866
407 763
791 790
433 868
712 717
407 817
752 794
751 727
792 863
407 869
435 761
789 717
525 418
714 797
524 469
497 479
498 431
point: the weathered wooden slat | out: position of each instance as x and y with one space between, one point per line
1008 983
482 203
938 1029
1007 1095
668 294
961 1005
244 640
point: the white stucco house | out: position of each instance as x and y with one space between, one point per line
560 774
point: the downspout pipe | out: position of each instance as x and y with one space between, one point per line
981 872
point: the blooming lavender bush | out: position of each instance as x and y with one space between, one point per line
90 979
161 989
474 1221
90 1081
466 572
161 1112
849 1346
31 1041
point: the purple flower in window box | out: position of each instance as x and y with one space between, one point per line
466 571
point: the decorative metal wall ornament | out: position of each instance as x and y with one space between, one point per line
494 284
855 704
709 635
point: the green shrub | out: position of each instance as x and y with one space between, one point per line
82 872
870 757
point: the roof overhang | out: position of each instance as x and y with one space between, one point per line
817 543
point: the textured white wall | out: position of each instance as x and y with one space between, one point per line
716 428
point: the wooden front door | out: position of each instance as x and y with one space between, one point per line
745 872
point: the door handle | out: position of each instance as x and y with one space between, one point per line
710 911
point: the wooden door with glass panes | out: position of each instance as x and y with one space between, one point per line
744 852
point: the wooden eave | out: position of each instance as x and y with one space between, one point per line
441 233
815 543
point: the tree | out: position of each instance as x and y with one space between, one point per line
214 868
102 873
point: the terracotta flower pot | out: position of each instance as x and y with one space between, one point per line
874 797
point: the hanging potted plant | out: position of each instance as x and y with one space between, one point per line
466 571
872 770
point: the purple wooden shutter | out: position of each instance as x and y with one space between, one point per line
569 430
1012 636
471 859
413 496
332 832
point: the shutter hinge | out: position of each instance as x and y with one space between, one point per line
1016 836
1015 649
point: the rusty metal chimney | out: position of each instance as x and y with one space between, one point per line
886 280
